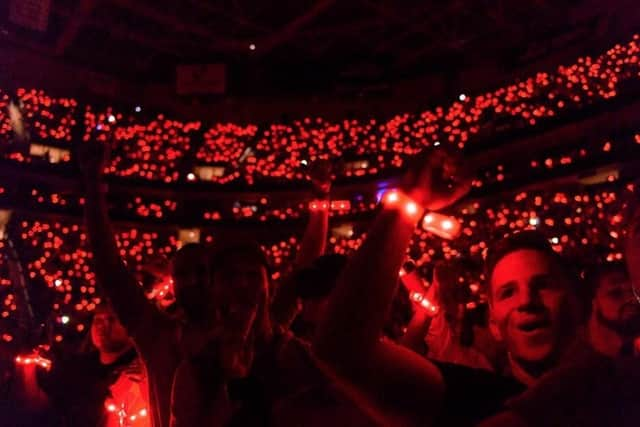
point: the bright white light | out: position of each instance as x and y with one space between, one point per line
58 283
304 162
428 219
555 240
462 97
447 224
252 46
64 320
534 221
191 176
412 208
437 143
112 118
138 108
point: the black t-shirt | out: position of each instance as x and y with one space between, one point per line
473 394
78 387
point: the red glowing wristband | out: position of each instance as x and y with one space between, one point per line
420 299
441 225
318 205
396 199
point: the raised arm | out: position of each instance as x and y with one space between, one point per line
126 296
388 380
312 246
314 239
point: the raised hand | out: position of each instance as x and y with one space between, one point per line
320 176
436 179
92 157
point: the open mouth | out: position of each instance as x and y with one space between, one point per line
534 325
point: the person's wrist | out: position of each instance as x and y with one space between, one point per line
399 200
96 186
317 205
321 191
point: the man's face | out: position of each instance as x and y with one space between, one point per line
241 286
533 309
107 333
615 306
190 271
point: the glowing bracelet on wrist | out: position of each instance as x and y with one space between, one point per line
441 225
397 199
318 205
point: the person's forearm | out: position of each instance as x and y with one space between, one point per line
126 296
365 290
413 339
285 302
314 239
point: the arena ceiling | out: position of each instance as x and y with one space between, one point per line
314 46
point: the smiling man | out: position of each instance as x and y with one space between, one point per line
535 307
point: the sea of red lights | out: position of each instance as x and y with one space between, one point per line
55 252
156 149
519 170
580 223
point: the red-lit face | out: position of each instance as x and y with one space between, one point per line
107 333
615 305
533 309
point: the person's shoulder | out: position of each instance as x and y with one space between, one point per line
454 371
463 382
163 332
480 392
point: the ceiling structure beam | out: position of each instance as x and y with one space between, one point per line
285 33
238 17
216 42
122 33
74 23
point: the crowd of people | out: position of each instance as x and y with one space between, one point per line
355 339
528 315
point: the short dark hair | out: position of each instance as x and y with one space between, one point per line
594 275
528 240
523 240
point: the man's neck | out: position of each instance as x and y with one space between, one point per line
109 357
529 372
526 374
603 339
